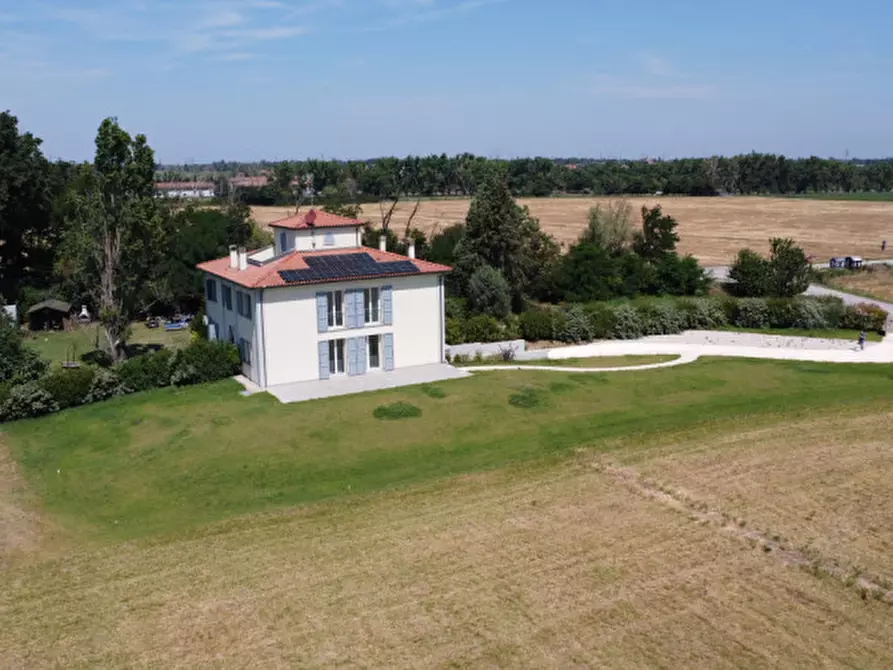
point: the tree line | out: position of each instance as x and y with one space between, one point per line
461 175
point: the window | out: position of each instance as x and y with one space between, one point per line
336 357
329 240
211 290
243 301
372 300
227 297
283 242
374 352
245 351
334 302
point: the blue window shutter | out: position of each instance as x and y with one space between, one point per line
388 340
362 343
322 313
360 307
350 308
387 309
352 356
324 359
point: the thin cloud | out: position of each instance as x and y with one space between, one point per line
620 88
659 67
423 13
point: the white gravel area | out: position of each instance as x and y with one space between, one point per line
711 337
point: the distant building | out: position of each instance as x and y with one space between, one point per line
11 312
184 189
49 315
258 181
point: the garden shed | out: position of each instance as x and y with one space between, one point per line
48 315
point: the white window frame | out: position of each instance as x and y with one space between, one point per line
335 309
334 346
372 308
378 352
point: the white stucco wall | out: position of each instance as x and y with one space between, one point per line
242 328
290 328
304 240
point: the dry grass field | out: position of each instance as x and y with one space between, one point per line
607 557
713 229
875 281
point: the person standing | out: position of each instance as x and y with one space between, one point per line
883 245
862 340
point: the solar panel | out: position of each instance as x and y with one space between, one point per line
345 266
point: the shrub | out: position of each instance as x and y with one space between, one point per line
5 387
536 324
489 293
864 316
661 318
627 323
397 410
701 313
808 314
106 384
752 313
29 368
750 272
454 333
27 400
204 361
832 309
433 391
575 326
601 320
455 308
511 327
198 326
482 328
148 371
728 306
781 313
69 387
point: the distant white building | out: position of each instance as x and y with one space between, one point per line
11 312
318 304
184 189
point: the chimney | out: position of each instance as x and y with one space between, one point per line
233 256
411 250
243 258
383 241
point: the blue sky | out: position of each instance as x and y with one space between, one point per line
275 79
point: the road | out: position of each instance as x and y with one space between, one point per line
720 273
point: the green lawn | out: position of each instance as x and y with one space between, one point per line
592 362
822 333
56 346
173 459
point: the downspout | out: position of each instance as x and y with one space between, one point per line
263 339
442 318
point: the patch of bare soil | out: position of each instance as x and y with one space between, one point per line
21 527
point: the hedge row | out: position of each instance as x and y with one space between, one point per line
200 362
630 320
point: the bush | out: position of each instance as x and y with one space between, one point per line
29 368
106 384
69 387
454 334
536 324
575 326
701 313
204 361
661 318
627 323
397 410
482 328
5 388
750 272
752 313
833 309
864 316
489 293
456 308
781 313
601 320
148 371
27 400
198 325
511 327
808 314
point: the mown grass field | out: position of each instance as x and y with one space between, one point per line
57 346
593 362
195 527
712 229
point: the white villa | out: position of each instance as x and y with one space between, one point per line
318 305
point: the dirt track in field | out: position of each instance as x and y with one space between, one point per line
713 229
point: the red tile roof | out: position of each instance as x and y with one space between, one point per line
183 185
267 275
315 219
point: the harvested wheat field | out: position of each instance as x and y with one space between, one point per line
713 229
874 281
726 514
